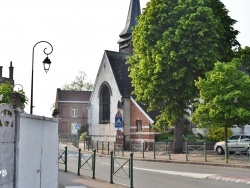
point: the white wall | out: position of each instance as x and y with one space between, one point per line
107 131
37 164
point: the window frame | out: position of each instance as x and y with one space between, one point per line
74 111
104 104
138 125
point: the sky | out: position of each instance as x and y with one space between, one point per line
79 31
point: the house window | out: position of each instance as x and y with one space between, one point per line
139 125
74 112
104 104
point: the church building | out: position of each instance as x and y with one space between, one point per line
114 115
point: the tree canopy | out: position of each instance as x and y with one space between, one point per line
176 41
226 94
79 84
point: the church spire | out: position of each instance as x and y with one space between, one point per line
125 43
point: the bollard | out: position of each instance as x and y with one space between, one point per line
131 170
102 147
154 149
169 151
111 167
131 148
143 149
92 144
114 148
84 142
122 150
186 147
205 151
226 153
248 153
79 162
93 164
66 160
88 145
97 146
108 148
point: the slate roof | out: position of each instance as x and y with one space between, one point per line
134 12
119 67
66 95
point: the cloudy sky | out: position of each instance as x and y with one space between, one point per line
79 32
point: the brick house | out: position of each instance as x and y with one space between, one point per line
111 97
73 109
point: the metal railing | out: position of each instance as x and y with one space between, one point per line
90 165
195 150
65 159
118 149
240 153
121 165
69 139
162 148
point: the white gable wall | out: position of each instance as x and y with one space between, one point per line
104 132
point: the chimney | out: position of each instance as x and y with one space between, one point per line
1 71
11 69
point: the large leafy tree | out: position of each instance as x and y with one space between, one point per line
225 92
244 55
79 84
176 41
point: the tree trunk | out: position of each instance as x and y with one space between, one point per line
178 133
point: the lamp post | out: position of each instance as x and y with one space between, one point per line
46 66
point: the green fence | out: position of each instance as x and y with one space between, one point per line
120 162
195 150
63 158
87 163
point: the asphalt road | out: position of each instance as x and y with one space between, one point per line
161 175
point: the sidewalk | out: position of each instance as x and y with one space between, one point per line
71 180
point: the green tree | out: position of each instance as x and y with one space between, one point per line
226 94
79 84
6 89
218 133
244 55
176 41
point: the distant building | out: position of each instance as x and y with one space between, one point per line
72 108
11 75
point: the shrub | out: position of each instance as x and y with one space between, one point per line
218 134
83 136
165 137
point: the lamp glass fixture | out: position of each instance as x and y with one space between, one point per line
46 64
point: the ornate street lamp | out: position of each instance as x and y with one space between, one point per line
46 66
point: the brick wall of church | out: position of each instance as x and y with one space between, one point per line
143 135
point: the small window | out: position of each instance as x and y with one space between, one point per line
139 125
74 112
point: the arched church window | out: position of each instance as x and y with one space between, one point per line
104 104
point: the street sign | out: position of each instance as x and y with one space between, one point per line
78 126
118 120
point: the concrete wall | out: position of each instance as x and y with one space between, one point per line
37 152
7 146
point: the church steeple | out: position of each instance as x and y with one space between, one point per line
125 43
